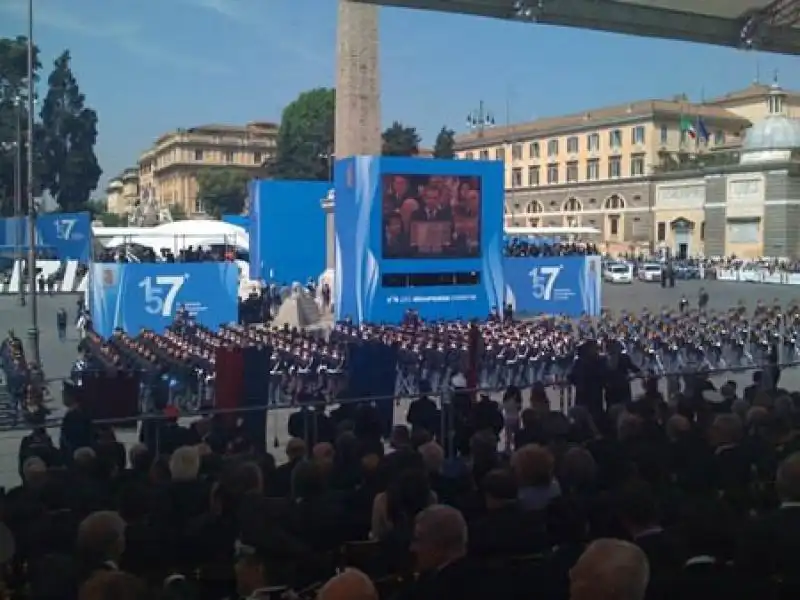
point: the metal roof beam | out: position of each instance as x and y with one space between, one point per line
632 19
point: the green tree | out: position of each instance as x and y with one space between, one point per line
177 211
399 140
222 190
445 146
14 118
304 147
70 168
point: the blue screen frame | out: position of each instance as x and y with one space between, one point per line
359 293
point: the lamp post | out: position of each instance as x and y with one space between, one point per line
19 224
480 119
19 234
33 330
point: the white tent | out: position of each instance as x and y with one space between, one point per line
178 235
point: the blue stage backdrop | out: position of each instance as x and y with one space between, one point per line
287 230
64 235
417 233
242 221
136 296
565 285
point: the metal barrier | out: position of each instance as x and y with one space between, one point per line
275 407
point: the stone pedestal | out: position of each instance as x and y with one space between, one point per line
358 120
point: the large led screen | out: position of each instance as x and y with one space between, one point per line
431 216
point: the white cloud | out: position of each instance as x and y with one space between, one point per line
126 35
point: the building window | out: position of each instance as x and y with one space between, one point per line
614 167
702 231
664 134
661 233
593 142
257 158
228 157
516 152
572 145
637 135
533 148
198 205
572 205
637 165
614 202
500 154
552 173
533 176
719 138
615 138
516 177
593 169
552 148
484 155
469 155
533 222
572 172
198 155
613 225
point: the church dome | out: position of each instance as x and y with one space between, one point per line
775 132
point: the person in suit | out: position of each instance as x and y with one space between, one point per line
440 547
432 208
505 529
770 546
395 239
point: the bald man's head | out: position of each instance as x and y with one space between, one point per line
610 569
351 584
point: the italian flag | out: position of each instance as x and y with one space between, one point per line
688 127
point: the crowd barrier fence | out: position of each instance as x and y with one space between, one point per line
275 426
759 276
563 388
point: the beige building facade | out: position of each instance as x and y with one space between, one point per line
168 171
632 171
122 192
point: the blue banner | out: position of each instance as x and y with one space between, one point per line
287 230
417 234
136 296
568 285
64 236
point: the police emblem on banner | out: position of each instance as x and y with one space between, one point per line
108 277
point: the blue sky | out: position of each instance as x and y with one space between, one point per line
149 66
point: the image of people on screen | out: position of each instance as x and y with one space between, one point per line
431 216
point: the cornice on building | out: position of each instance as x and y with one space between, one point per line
587 121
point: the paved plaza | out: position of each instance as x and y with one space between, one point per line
58 357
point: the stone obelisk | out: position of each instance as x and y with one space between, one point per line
358 116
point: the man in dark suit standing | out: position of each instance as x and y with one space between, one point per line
432 209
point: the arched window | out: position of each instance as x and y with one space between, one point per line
614 202
534 207
572 205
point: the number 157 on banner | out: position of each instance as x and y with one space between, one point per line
543 279
159 297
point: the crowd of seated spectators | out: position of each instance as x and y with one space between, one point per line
520 247
136 253
654 499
